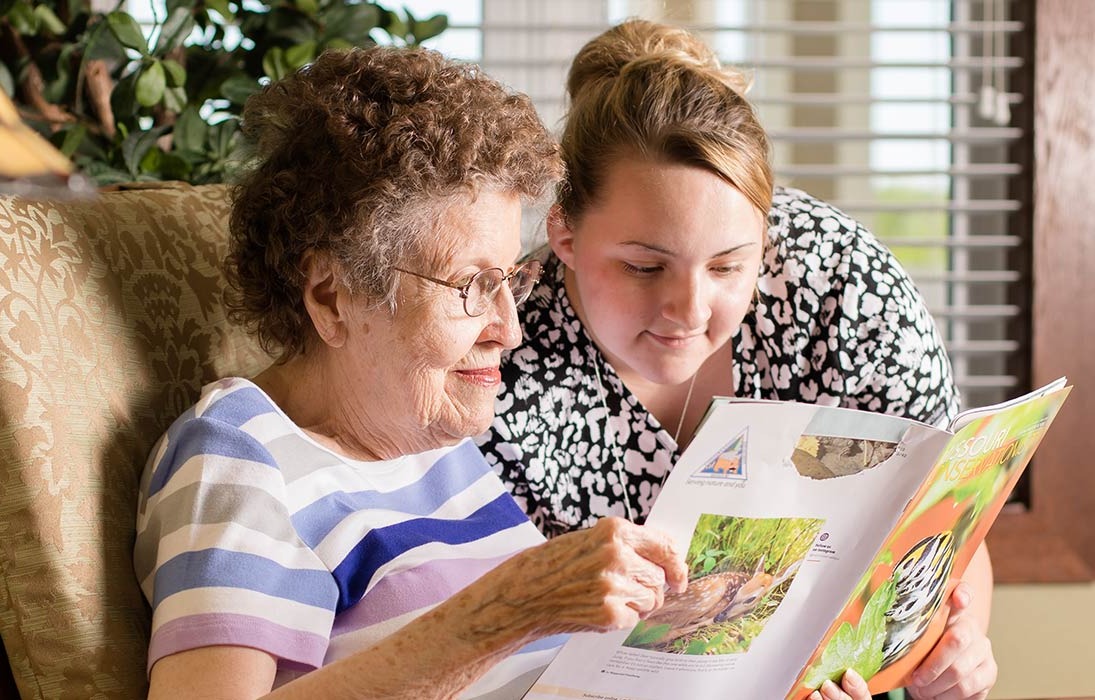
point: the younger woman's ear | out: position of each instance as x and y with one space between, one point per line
326 299
560 237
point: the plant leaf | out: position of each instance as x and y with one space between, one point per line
300 55
221 7
350 22
123 98
239 87
174 99
174 167
337 44
176 28
190 130
856 647
644 633
127 31
423 29
49 20
151 161
871 633
176 74
274 63
151 84
103 45
22 19
136 145
7 82
74 136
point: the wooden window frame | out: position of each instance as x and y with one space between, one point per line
1052 539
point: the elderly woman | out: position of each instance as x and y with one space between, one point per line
325 530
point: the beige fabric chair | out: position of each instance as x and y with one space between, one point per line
110 322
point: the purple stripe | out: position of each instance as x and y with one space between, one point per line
402 592
553 642
209 629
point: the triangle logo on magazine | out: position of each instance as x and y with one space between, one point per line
729 462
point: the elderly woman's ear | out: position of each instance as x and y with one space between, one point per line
326 298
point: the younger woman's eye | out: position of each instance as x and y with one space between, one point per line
731 269
641 269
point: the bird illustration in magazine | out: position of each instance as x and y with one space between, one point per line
920 581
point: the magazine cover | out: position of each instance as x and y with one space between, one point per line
817 539
899 608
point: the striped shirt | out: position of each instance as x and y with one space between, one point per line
250 533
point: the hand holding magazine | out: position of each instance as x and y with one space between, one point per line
819 539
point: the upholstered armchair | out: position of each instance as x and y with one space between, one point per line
110 322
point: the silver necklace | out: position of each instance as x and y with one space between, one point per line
684 411
614 444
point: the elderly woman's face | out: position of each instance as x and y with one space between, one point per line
432 370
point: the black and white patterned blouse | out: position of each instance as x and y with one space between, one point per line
838 323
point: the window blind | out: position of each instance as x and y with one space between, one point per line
913 117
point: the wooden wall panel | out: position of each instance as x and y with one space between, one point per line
1054 538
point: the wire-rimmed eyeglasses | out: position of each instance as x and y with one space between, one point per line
481 288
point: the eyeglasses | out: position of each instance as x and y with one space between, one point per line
481 289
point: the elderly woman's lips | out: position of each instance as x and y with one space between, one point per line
484 376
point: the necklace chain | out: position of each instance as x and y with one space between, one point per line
684 411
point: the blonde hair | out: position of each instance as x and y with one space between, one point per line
657 92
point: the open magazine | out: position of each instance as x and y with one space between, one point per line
818 539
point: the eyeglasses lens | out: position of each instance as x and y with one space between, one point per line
486 284
523 281
484 287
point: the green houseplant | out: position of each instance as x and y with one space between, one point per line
128 107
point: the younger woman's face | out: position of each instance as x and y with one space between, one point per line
662 267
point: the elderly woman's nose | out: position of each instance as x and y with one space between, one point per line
505 327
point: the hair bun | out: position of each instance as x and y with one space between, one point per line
608 55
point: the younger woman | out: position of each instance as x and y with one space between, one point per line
676 272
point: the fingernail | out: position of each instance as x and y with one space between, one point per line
829 688
815 695
853 678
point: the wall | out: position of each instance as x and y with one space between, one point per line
1042 637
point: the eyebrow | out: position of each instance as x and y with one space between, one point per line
666 251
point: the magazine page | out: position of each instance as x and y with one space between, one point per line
780 507
966 417
899 609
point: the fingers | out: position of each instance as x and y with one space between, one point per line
604 578
961 666
852 687
657 548
643 554
960 599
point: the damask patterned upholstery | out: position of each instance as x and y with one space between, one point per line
110 322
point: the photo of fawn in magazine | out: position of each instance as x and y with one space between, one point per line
818 539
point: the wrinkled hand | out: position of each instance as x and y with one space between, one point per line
852 687
961 666
604 578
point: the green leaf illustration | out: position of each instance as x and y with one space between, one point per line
856 647
644 634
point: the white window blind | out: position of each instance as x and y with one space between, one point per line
911 115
